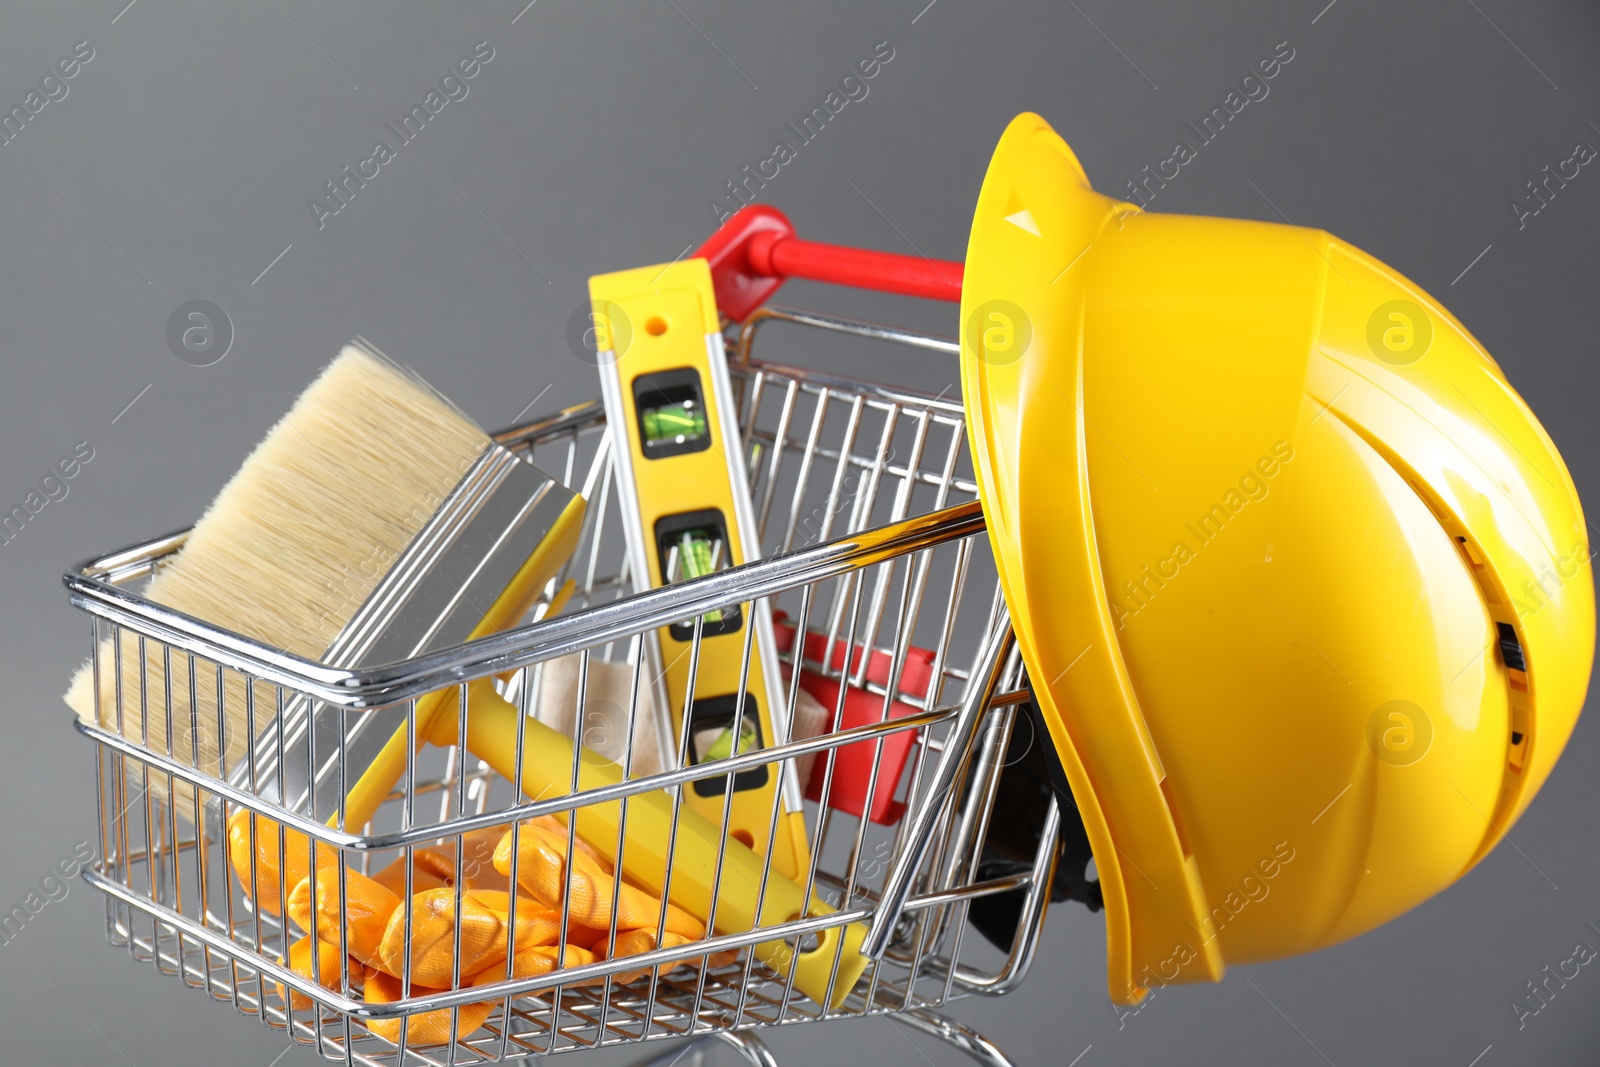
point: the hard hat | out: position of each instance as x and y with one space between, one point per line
1302 586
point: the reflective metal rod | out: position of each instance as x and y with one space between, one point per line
897 888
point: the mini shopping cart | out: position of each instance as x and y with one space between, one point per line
872 540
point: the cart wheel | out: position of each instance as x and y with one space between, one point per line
751 1047
957 1034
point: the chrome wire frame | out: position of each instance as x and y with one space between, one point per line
873 545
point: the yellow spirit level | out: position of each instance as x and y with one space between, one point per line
686 512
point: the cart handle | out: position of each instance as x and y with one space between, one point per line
756 249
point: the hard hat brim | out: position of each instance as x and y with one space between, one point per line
1035 225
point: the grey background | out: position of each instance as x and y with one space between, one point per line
593 141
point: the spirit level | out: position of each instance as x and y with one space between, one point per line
686 504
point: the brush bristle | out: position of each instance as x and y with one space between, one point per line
290 548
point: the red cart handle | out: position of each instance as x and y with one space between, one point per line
756 249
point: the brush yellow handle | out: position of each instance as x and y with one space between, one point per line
547 772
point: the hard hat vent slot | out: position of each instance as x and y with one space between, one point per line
1510 647
1519 739
1475 561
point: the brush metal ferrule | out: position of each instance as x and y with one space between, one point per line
435 596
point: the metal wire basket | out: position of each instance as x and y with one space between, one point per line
872 541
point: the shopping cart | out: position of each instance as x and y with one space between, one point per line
873 541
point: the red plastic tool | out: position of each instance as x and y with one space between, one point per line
852 764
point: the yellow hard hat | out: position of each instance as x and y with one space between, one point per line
1303 587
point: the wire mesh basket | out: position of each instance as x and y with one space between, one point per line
875 563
